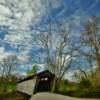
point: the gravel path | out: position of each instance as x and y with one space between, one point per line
51 96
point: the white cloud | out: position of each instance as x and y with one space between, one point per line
4 53
23 56
69 76
41 66
19 37
15 38
5 10
24 12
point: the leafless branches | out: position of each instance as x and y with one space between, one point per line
8 65
91 41
55 44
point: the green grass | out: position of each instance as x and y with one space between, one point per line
9 87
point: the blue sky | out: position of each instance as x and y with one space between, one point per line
19 19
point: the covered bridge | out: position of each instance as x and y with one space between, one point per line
41 82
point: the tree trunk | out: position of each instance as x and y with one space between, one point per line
54 85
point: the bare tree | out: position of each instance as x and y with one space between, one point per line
8 65
90 42
55 43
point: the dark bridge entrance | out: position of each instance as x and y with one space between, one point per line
44 82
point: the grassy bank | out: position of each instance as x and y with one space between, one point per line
7 87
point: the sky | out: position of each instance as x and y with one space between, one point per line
19 19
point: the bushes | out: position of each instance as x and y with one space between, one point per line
84 83
88 87
84 89
95 81
63 87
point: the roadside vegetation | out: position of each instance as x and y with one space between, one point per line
87 87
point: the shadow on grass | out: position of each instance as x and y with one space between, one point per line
14 96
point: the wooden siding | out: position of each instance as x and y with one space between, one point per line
27 86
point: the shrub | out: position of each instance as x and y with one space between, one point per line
84 83
61 87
